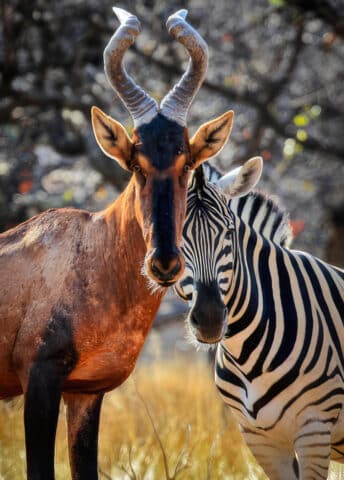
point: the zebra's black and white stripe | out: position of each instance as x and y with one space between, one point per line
280 364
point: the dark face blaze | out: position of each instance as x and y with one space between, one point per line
207 248
161 169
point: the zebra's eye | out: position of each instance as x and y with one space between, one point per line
180 150
228 235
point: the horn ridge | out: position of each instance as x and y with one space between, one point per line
176 103
139 104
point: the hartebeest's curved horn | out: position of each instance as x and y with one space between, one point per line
140 105
177 102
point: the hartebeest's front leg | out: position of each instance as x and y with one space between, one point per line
83 412
42 384
42 399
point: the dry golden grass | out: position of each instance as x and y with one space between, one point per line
188 416
199 438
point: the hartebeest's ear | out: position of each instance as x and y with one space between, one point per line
112 137
241 180
210 138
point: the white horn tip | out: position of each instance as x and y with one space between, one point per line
182 13
121 14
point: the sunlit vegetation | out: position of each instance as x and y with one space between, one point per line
166 422
169 410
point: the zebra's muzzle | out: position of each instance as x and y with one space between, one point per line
209 325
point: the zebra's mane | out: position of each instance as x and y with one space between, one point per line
264 215
258 210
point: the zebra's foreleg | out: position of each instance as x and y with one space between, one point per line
278 463
313 447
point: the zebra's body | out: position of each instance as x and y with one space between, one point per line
280 365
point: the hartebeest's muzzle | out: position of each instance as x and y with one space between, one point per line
165 269
208 317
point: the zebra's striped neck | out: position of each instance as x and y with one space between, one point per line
261 234
269 298
246 322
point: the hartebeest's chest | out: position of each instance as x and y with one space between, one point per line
111 313
107 348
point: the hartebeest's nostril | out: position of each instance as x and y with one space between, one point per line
154 268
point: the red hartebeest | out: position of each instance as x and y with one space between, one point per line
75 308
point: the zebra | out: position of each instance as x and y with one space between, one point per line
276 315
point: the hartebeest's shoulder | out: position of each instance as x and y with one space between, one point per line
42 252
57 250
39 254
42 229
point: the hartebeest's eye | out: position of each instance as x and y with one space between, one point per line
138 169
140 174
183 177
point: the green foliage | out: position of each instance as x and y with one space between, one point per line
277 3
301 120
68 195
293 146
301 135
314 111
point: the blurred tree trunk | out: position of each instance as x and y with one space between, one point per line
335 248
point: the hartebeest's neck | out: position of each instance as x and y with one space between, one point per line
128 255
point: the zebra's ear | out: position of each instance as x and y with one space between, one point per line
242 180
210 138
